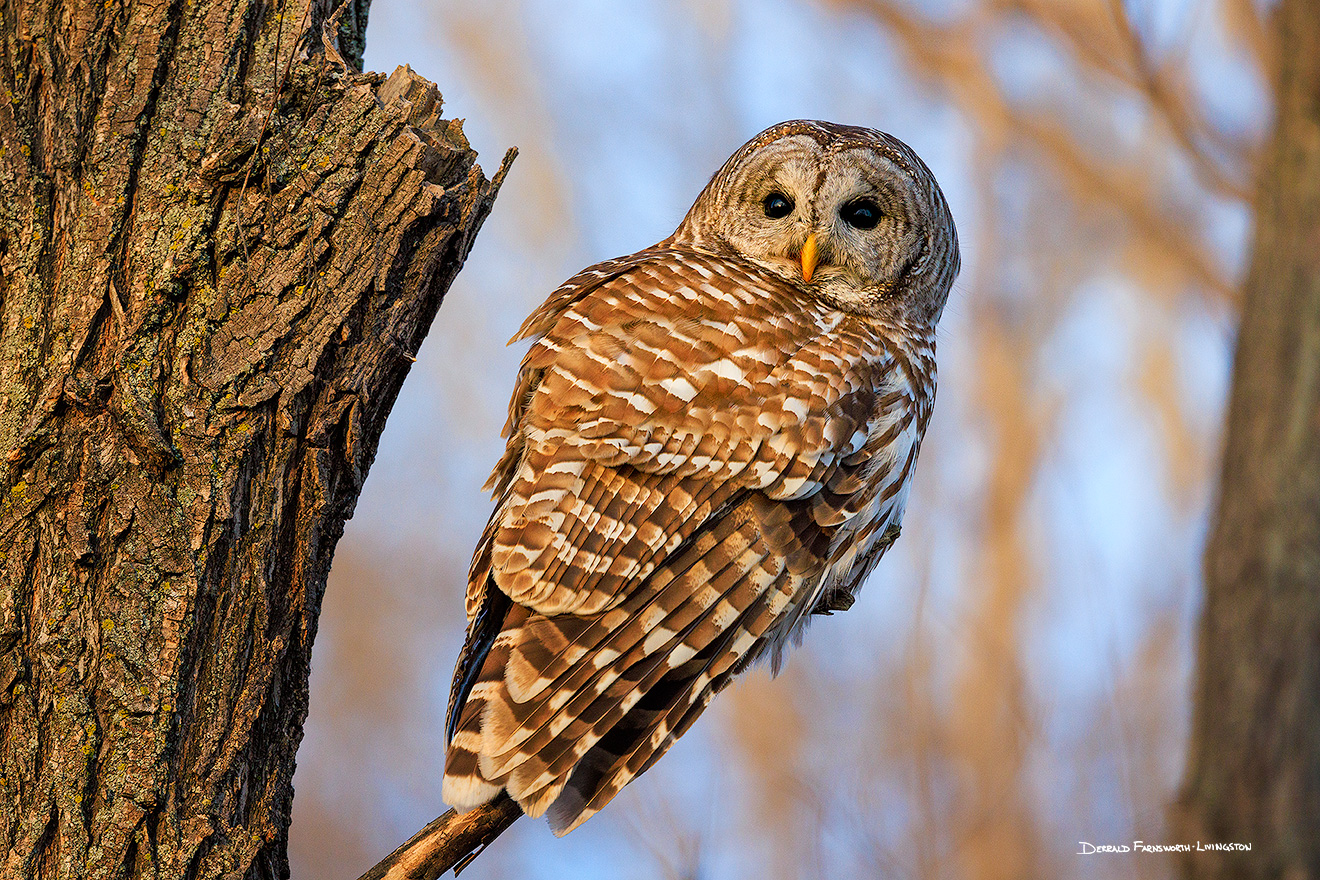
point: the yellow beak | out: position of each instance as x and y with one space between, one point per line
809 256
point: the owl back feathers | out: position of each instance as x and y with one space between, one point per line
696 457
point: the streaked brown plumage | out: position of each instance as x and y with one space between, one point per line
709 440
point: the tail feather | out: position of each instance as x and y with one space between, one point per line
643 736
566 710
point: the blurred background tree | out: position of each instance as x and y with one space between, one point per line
1254 757
1017 678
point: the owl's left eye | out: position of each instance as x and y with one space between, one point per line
861 214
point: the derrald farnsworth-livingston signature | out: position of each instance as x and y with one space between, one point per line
1141 846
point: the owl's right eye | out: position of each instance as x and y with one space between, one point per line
777 206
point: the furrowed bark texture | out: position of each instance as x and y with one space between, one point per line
1254 763
219 249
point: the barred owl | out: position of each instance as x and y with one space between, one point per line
709 440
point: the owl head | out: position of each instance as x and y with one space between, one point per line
848 214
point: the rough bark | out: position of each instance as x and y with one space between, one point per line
1254 764
220 247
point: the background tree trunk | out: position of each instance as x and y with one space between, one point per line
1254 762
220 247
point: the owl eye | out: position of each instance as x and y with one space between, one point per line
777 206
861 214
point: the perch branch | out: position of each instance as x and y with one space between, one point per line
451 841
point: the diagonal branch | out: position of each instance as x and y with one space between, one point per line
451 841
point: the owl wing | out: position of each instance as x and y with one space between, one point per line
694 458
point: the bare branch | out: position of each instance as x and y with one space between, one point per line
451 841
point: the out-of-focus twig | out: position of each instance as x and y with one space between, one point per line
1105 41
1154 82
1243 19
451 841
1101 37
949 53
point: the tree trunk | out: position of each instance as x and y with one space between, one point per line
220 247
1254 764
